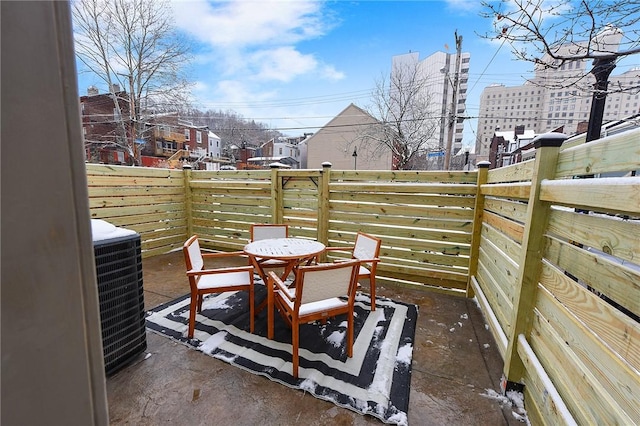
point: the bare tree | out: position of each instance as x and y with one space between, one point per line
409 121
535 28
132 44
552 33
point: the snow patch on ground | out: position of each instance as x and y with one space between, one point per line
512 399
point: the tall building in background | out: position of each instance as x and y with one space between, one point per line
439 70
555 99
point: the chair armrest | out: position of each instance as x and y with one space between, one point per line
281 286
338 249
224 254
219 271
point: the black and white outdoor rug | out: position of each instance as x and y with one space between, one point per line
375 381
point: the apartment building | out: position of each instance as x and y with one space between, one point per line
440 73
555 99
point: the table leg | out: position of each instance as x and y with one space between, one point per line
270 307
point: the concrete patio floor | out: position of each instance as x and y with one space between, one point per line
455 362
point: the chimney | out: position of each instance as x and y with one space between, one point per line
115 87
92 91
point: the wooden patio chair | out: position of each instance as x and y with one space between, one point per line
322 291
204 281
263 231
367 250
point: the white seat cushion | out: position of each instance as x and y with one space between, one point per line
224 280
322 305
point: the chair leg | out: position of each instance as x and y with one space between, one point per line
350 334
270 307
192 315
200 298
295 340
372 291
251 309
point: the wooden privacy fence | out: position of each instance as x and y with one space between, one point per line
548 247
556 272
425 219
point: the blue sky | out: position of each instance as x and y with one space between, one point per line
294 65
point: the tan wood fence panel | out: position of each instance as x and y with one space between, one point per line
424 220
148 201
577 335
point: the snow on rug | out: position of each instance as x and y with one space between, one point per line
375 381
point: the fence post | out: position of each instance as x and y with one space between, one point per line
478 208
323 206
186 172
276 195
547 150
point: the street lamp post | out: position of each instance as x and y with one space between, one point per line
602 68
606 44
355 158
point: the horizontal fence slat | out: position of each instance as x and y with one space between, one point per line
599 271
514 210
616 153
606 233
420 176
511 229
603 194
518 190
512 173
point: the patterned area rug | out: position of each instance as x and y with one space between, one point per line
375 381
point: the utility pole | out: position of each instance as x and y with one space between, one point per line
454 106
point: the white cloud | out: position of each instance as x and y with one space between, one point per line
282 64
331 73
256 40
463 5
250 23
236 92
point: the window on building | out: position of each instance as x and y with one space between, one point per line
187 134
198 137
